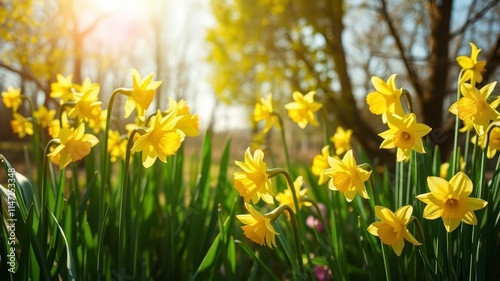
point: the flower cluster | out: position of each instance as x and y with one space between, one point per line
80 108
448 200
253 182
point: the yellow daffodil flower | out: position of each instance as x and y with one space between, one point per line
141 95
74 145
472 68
12 98
257 227
253 183
347 177
468 125
63 88
86 86
473 106
54 128
44 116
320 164
161 139
117 146
302 110
264 111
443 169
391 229
21 126
87 105
493 144
286 197
341 140
98 121
189 123
451 201
405 134
386 100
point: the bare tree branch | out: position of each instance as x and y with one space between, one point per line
493 60
27 76
409 67
471 20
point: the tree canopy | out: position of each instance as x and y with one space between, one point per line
335 47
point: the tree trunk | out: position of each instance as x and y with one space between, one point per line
344 106
432 101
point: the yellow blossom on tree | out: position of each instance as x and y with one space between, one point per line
189 123
320 164
286 197
74 145
473 106
386 100
161 139
341 140
63 88
264 111
141 95
302 109
44 116
253 183
391 229
346 177
472 68
12 98
405 134
451 201
258 227
21 126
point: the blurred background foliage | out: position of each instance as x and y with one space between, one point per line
253 48
335 47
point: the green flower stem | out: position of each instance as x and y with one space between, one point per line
400 184
371 193
277 171
408 188
386 262
36 134
320 215
63 108
483 158
104 177
274 215
285 146
455 134
449 251
146 124
480 191
422 250
123 202
30 103
467 144
43 234
406 94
